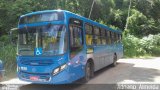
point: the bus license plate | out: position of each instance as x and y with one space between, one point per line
34 78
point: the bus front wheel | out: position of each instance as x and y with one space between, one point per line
88 72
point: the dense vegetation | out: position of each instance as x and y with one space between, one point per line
141 37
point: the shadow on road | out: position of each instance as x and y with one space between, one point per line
47 87
143 74
137 74
69 87
125 71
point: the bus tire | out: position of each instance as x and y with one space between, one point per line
92 69
89 72
114 60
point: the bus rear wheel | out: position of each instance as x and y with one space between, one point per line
114 60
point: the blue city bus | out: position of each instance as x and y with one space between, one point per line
60 47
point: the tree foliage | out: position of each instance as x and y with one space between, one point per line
143 20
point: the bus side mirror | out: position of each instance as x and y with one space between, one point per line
13 34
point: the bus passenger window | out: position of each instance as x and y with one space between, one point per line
103 38
112 37
89 34
89 39
117 40
108 37
115 37
97 40
120 38
97 37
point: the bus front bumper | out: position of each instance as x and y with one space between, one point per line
45 78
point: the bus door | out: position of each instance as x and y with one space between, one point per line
77 53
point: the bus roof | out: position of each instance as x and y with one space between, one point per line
74 15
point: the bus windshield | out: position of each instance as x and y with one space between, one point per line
52 39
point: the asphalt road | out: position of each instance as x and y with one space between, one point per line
127 71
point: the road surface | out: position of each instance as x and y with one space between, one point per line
127 71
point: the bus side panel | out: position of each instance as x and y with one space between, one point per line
102 56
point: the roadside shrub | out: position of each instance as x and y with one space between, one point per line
151 44
8 56
4 39
134 47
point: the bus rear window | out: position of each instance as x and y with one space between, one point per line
43 17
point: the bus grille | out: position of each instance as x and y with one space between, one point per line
42 76
37 62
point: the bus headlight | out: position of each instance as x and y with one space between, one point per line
63 66
59 69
